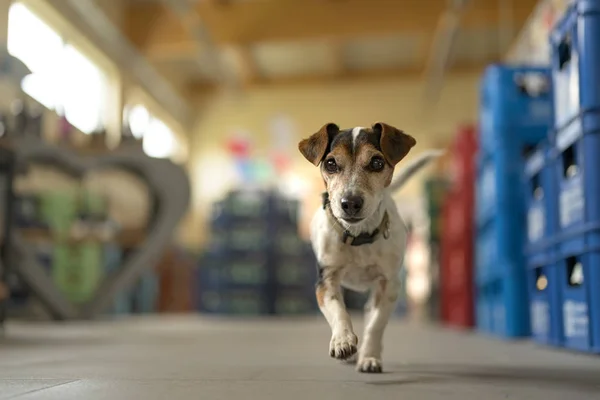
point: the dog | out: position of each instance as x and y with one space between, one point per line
358 236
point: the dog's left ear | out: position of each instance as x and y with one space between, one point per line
314 148
394 143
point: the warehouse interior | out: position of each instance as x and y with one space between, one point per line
156 206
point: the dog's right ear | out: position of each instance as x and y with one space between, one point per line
314 147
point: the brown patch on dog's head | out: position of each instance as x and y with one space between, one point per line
357 165
314 148
395 144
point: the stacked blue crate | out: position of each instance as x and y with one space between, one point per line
113 259
234 274
575 46
543 277
256 263
145 294
515 114
295 271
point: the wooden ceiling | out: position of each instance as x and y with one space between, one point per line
206 43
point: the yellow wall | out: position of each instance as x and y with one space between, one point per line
399 103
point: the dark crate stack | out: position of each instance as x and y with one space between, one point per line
435 190
573 162
515 115
7 170
256 262
456 255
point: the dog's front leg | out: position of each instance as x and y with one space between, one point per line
343 342
378 309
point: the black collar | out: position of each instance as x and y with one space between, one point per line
363 237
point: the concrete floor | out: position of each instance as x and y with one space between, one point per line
200 358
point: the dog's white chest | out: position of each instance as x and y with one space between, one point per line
362 278
360 266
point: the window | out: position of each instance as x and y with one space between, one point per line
62 79
159 140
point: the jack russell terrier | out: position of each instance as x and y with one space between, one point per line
358 236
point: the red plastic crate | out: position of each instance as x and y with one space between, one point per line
459 310
456 262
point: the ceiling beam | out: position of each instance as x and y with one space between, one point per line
249 22
242 60
207 50
441 49
347 77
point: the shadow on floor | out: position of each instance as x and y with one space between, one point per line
569 378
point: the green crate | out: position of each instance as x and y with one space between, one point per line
435 191
59 211
93 205
77 270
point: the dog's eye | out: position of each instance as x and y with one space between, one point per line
376 164
331 166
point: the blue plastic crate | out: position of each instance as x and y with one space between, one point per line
486 250
515 105
295 271
208 275
235 302
242 206
500 220
579 275
543 282
497 186
235 270
483 309
146 293
246 271
576 169
501 308
575 55
294 302
541 201
241 236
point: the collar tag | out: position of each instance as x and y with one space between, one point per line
347 238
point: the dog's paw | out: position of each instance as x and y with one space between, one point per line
369 365
343 346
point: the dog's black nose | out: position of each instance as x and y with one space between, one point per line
352 204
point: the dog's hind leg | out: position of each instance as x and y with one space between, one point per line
343 342
378 309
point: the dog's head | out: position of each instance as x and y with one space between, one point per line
357 165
